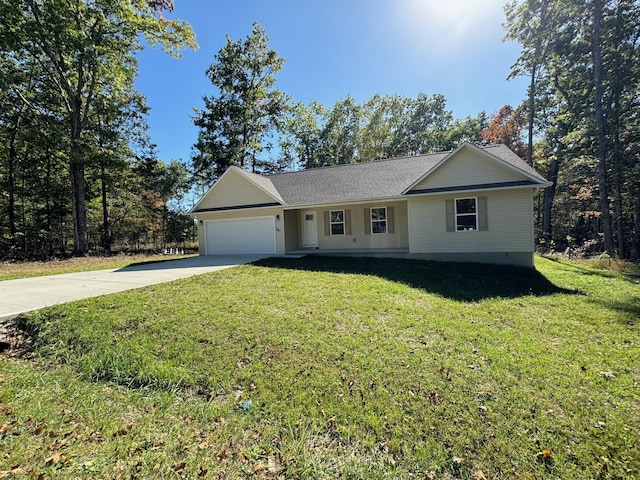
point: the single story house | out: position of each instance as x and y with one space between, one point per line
470 204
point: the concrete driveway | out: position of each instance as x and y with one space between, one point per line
27 294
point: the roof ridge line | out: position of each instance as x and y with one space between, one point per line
377 160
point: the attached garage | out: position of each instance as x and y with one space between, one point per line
256 235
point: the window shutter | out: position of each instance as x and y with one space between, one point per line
390 220
451 215
327 223
367 221
347 222
483 214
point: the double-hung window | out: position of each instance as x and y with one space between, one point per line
336 220
379 220
466 214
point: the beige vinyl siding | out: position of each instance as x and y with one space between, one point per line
468 168
510 224
359 239
235 190
256 212
293 233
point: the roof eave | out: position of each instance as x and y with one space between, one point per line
299 206
478 188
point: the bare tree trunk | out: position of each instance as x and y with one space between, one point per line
106 236
79 208
635 243
617 199
600 122
11 189
78 184
532 99
48 207
615 112
547 205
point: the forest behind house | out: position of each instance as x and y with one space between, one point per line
79 173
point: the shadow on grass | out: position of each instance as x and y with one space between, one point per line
465 282
631 276
627 310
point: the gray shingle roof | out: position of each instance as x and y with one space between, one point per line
264 182
505 153
354 181
371 180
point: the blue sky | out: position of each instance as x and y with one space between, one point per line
334 48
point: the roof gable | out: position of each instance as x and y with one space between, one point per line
472 166
237 188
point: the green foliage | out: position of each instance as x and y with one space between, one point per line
70 117
236 123
361 368
382 127
583 59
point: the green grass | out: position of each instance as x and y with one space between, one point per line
15 270
355 368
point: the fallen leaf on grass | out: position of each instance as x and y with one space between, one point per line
259 466
56 458
180 467
479 475
224 454
272 463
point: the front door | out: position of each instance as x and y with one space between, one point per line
309 229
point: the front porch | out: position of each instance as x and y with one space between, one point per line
352 252
365 229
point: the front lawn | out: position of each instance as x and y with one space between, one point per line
334 367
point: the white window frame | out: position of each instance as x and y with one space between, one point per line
474 214
386 221
332 223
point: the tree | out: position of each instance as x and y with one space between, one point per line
585 55
530 24
300 135
506 126
238 122
338 138
86 51
381 127
421 125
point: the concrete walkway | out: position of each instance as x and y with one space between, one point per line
27 294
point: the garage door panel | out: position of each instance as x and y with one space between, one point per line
247 235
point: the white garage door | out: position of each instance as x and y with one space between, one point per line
245 235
